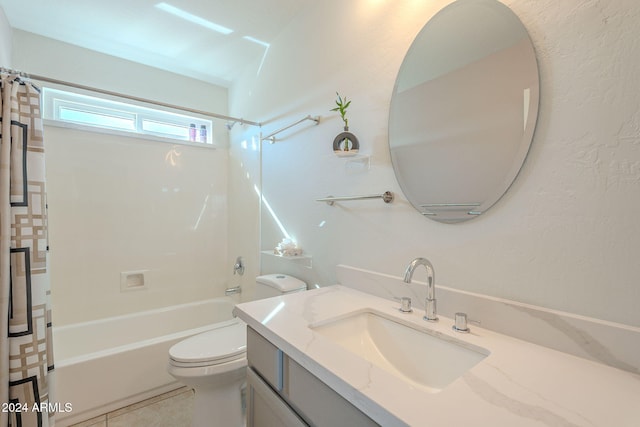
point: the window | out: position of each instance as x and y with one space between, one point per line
108 115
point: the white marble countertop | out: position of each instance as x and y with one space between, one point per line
519 384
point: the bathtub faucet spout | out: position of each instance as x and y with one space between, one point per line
232 291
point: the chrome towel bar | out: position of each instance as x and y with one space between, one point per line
386 197
272 136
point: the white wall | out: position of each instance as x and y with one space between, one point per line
566 236
244 205
44 56
5 40
120 204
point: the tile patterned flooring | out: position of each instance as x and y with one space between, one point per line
172 409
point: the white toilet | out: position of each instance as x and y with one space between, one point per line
214 363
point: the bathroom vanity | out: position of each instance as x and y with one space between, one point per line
303 373
282 393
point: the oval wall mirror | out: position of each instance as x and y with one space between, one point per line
463 110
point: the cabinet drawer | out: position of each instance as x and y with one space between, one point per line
319 405
265 358
265 408
296 388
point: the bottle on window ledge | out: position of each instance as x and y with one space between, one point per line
203 134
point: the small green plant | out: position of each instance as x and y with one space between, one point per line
342 105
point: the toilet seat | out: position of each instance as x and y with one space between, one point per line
214 347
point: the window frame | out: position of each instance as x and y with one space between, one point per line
56 100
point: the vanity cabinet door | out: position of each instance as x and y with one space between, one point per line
317 403
265 408
265 358
284 386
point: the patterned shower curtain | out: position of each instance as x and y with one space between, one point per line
26 354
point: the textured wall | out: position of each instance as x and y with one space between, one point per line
566 236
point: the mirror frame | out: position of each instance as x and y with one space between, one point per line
463 184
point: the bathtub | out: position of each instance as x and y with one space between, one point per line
106 364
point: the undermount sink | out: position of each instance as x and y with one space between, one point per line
414 355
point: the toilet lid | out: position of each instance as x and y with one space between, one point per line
221 344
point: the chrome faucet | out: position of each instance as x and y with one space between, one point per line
430 302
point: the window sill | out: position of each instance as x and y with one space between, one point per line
148 137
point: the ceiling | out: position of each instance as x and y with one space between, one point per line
174 35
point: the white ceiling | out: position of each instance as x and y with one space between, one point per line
139 31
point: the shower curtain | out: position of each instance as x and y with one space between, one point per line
26 354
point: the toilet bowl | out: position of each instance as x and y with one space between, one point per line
214 363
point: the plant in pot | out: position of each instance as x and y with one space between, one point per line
346 142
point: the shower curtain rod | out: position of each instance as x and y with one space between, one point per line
131 97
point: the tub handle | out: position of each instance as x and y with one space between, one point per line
238 267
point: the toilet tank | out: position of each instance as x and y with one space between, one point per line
271 285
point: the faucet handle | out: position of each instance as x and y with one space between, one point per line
238 267
460 324
405 305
